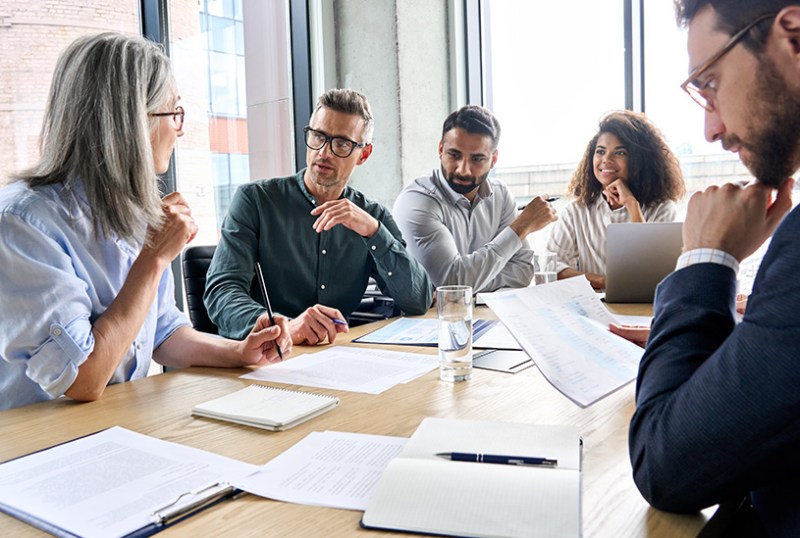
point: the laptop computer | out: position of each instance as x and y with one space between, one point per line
638 256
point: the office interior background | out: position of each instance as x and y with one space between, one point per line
249 71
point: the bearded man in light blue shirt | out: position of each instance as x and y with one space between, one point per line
462 225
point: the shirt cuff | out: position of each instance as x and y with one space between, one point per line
507 242
707 255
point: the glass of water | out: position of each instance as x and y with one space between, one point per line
454 304
544 268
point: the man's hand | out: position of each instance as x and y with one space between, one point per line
735 219
346 213
316 324
177 229
536 215
259 348
637 334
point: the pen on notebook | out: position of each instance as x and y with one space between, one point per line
550 199
263 285
493 458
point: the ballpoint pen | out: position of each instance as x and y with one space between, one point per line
263 285
493 458
338 321
550 199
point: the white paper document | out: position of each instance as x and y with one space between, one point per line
333 469
563 326
111 483
347 368
486 334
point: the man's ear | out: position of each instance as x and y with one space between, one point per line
366 151
494 158
786 28
441 148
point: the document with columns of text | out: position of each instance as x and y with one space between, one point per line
563 327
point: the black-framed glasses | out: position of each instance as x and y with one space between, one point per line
177 116
340 146
704 94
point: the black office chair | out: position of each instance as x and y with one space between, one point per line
374 306
195 262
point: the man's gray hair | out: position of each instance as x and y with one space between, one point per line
96 130
348 102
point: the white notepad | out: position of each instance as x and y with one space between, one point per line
422 493
266 407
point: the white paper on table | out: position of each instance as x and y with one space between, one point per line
110 483
563 326
347 368
333 469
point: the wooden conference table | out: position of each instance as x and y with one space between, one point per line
160 406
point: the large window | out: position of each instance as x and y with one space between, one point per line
233 86
550 75
678 117
551 70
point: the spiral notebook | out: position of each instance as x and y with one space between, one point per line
266 407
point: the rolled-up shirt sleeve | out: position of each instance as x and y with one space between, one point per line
47 324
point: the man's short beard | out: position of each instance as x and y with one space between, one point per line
473 184
774 127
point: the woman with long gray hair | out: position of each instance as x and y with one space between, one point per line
87 242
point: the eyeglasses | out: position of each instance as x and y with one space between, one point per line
704 93
340 146
177 116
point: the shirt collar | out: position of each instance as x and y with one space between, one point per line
300 178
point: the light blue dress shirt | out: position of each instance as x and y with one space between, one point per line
56 278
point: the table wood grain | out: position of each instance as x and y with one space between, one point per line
160 406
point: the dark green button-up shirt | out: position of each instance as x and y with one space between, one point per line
270 221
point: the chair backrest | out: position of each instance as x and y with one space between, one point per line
195 264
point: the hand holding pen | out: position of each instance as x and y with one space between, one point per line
534 216
263 285
318 324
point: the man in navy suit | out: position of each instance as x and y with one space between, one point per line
718 404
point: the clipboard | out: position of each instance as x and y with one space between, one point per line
151 519
502 360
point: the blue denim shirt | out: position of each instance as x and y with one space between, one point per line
56 278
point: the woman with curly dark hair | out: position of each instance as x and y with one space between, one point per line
627 174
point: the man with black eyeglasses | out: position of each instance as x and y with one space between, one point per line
718 403
317 239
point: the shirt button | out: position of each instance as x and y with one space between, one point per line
324 251
56 332
322 287
138 346
389 273
373 247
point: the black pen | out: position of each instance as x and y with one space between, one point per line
550 199
492 458
263 285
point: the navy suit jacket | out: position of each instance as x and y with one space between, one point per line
718 404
